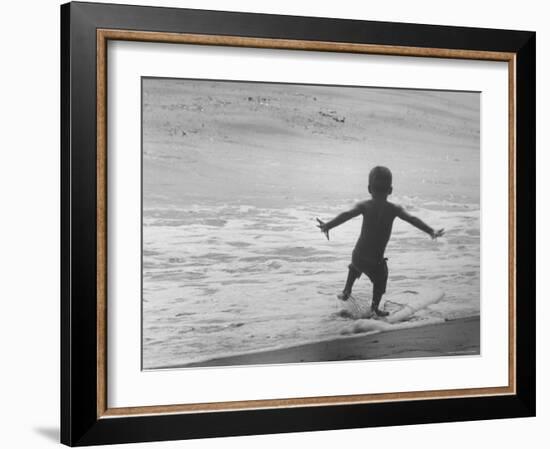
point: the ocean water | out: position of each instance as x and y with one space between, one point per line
234 175
226 279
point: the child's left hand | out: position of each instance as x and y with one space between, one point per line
438 233
323 227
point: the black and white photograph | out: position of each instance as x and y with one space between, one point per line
292 223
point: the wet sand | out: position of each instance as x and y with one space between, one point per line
454 337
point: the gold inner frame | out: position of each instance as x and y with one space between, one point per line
104 35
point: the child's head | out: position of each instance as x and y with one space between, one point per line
380 181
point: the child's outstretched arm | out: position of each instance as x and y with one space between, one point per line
338 220
418 223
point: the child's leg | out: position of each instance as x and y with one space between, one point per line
376 298
379 282
353 275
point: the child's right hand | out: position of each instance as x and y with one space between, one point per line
438 233
323 227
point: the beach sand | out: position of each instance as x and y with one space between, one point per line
453 337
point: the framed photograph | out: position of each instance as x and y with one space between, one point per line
282 224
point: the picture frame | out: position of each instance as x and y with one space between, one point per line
86 418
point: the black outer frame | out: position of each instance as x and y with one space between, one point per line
79 422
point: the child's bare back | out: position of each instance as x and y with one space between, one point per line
378 216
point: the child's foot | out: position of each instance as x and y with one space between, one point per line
379 312
343 296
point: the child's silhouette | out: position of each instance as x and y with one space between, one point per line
368 254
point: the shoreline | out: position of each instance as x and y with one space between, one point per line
455 337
